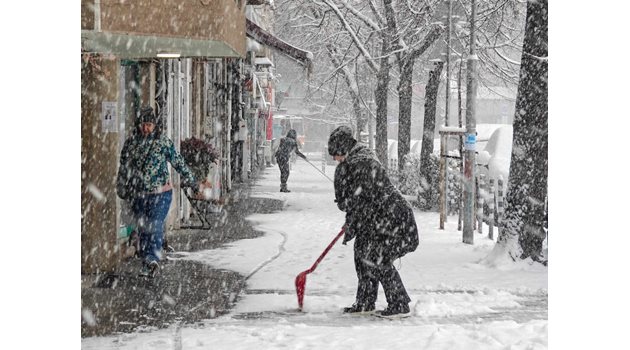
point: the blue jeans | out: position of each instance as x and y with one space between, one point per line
150 212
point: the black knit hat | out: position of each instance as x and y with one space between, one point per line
341 141
292 134
147 115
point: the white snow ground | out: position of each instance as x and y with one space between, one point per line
457 302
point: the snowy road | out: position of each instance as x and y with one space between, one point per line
457 303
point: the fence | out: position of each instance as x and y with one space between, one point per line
488 197
392 170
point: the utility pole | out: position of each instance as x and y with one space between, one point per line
471 136
448 63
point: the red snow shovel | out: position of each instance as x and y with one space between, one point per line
300 280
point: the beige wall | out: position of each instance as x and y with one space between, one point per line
99 157
87 14
220 20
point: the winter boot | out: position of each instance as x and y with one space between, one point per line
359 309
283 188
154 269
395 311
150 269
167 248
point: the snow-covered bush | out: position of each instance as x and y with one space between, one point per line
409 179
454 185
423 182
420 181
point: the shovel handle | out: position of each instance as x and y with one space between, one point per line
321 172
343 229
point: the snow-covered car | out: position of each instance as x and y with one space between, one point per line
494 159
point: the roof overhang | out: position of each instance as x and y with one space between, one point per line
263 61
257 33
148 46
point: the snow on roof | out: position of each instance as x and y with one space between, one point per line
452 129
263 61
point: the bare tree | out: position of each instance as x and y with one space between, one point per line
526 210
408 46
430 106
366 35
325 31
499 27
357 20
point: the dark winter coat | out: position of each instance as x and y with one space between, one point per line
287 145
376 213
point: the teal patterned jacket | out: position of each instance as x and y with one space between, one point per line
152 154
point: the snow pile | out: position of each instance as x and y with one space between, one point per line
459 301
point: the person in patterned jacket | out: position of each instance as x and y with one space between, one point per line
144 180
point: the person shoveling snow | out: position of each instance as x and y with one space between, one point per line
380 220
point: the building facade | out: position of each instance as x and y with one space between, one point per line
198 64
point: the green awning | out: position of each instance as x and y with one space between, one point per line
148 46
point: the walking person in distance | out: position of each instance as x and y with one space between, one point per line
287 145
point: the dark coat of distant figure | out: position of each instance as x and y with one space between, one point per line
287 145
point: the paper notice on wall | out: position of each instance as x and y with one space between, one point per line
109 117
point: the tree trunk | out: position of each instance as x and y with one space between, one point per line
525 211
428 130
404 111
430 108
380 95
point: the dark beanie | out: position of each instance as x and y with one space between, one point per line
292 134
147 115
341 141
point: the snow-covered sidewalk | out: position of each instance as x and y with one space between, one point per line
457 302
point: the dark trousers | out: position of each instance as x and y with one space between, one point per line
284 171
370 272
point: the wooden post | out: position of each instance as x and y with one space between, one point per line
460 202
442 182
491 209
446 175
480 184
499 204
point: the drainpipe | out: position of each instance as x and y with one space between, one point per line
97 15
